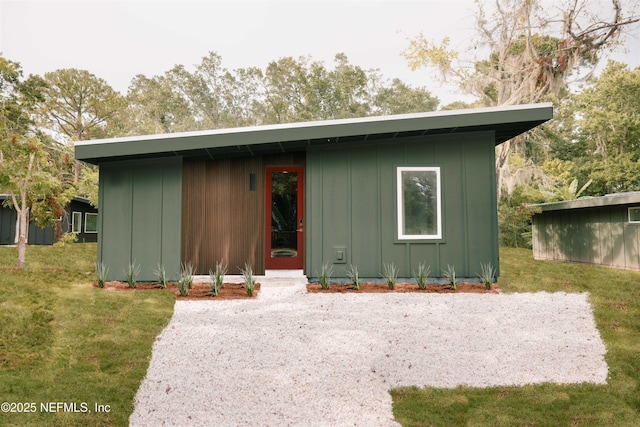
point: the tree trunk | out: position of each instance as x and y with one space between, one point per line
23 223
502 160
23 214
76 171
15 238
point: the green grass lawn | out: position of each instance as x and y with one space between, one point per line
615 297
64 342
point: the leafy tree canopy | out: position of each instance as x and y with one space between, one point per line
286 90
526 51
78 104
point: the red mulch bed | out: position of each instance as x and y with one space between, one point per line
198 290
201 291
476 288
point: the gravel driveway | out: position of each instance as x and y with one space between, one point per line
291 358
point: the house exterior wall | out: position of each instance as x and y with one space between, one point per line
599 235
140 216
7 225
352 205
223 219
35 234
46 235
83 208
203 211
40 236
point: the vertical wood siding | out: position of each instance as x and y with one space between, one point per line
600 235
35 234
7 225
83 208
222 219
351 203
139 216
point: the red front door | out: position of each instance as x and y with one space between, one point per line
285 219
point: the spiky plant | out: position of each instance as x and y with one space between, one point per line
326 270
102 271
131 272
390 274
185 281
249 282
352 274
450 274
487 274
216 278
186 271
161 274
422 274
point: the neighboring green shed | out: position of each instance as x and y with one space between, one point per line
600 230
402 189
79 217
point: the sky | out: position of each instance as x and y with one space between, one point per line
116 40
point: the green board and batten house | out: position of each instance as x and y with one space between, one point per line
597 230
404 189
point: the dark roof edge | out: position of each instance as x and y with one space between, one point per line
531 114
321 123
592 202
80 199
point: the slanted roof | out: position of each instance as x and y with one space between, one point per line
592 202
506 122
80 199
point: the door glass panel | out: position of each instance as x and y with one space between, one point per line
284 214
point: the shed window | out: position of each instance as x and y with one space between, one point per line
90 222
419 203
634 215
76 222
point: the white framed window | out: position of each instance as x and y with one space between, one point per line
76 222
419 202
90 222
634 215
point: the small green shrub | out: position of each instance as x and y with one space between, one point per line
131 272
352 274
216 278
326 270
187 272
185 281
450 274
390 274
487 274
422 274
249 281
213 283
161 274
102 271
66 238
183 287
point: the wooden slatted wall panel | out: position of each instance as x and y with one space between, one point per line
222 218
193 208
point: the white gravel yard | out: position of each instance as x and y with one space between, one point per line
297 359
